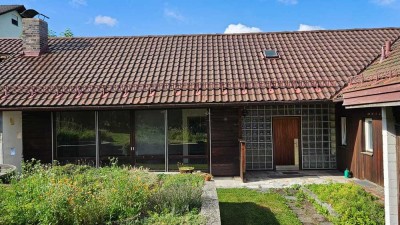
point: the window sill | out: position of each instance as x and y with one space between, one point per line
368 153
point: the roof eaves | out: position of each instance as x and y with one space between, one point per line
18 8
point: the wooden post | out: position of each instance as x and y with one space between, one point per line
242 149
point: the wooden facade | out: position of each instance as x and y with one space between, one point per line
352 156
225 134
36 133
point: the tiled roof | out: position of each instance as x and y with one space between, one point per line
8 8
115 70
379 73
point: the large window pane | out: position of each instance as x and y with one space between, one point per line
187 138
150 139
76 137
114 130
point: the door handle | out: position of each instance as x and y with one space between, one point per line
132 149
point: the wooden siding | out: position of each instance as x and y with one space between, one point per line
36 133
352 156
225 134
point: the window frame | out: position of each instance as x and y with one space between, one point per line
343 130
15 20
368 135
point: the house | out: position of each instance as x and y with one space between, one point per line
372 111
11 21
156 101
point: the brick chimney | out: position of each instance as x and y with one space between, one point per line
34 36
388 46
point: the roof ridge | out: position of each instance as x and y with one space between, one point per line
236 34
220 34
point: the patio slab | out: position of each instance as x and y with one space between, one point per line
281 179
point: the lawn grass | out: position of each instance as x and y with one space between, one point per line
353 203
245 206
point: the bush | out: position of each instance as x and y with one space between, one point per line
178 194
74 194
191 218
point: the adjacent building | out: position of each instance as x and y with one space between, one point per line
11 21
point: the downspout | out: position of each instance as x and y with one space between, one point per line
209 138
96 127
52 137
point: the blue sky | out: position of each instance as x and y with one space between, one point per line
150 17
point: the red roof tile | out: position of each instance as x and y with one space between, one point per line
378 83
185 69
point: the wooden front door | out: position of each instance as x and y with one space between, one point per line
286 130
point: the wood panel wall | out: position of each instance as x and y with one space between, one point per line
36 133
225 134
352 156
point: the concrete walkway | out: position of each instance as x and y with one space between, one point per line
281 179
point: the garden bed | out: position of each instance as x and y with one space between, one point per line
111 195
353 204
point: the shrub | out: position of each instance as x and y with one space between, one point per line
74 194
191 218
178 194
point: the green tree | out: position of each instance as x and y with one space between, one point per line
52 33
67 33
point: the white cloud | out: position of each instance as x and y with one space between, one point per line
78 2
105 20
384 2
305 27
288 2
240 28
173 14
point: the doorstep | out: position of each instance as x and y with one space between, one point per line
287 168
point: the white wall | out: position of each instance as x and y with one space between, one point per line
7 29
389 166
12 138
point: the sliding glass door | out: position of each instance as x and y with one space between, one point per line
187 138
115 137
154 139
150 139
76 137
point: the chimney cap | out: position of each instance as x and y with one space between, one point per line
30 13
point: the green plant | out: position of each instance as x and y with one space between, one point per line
191 218
351 202
73 194
178 194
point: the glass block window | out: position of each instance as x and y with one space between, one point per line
318 146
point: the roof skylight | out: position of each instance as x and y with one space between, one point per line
271 53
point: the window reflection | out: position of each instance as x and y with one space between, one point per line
76 137
187 138
114 135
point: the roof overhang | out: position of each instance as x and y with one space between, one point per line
157 106
386 104
383 95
